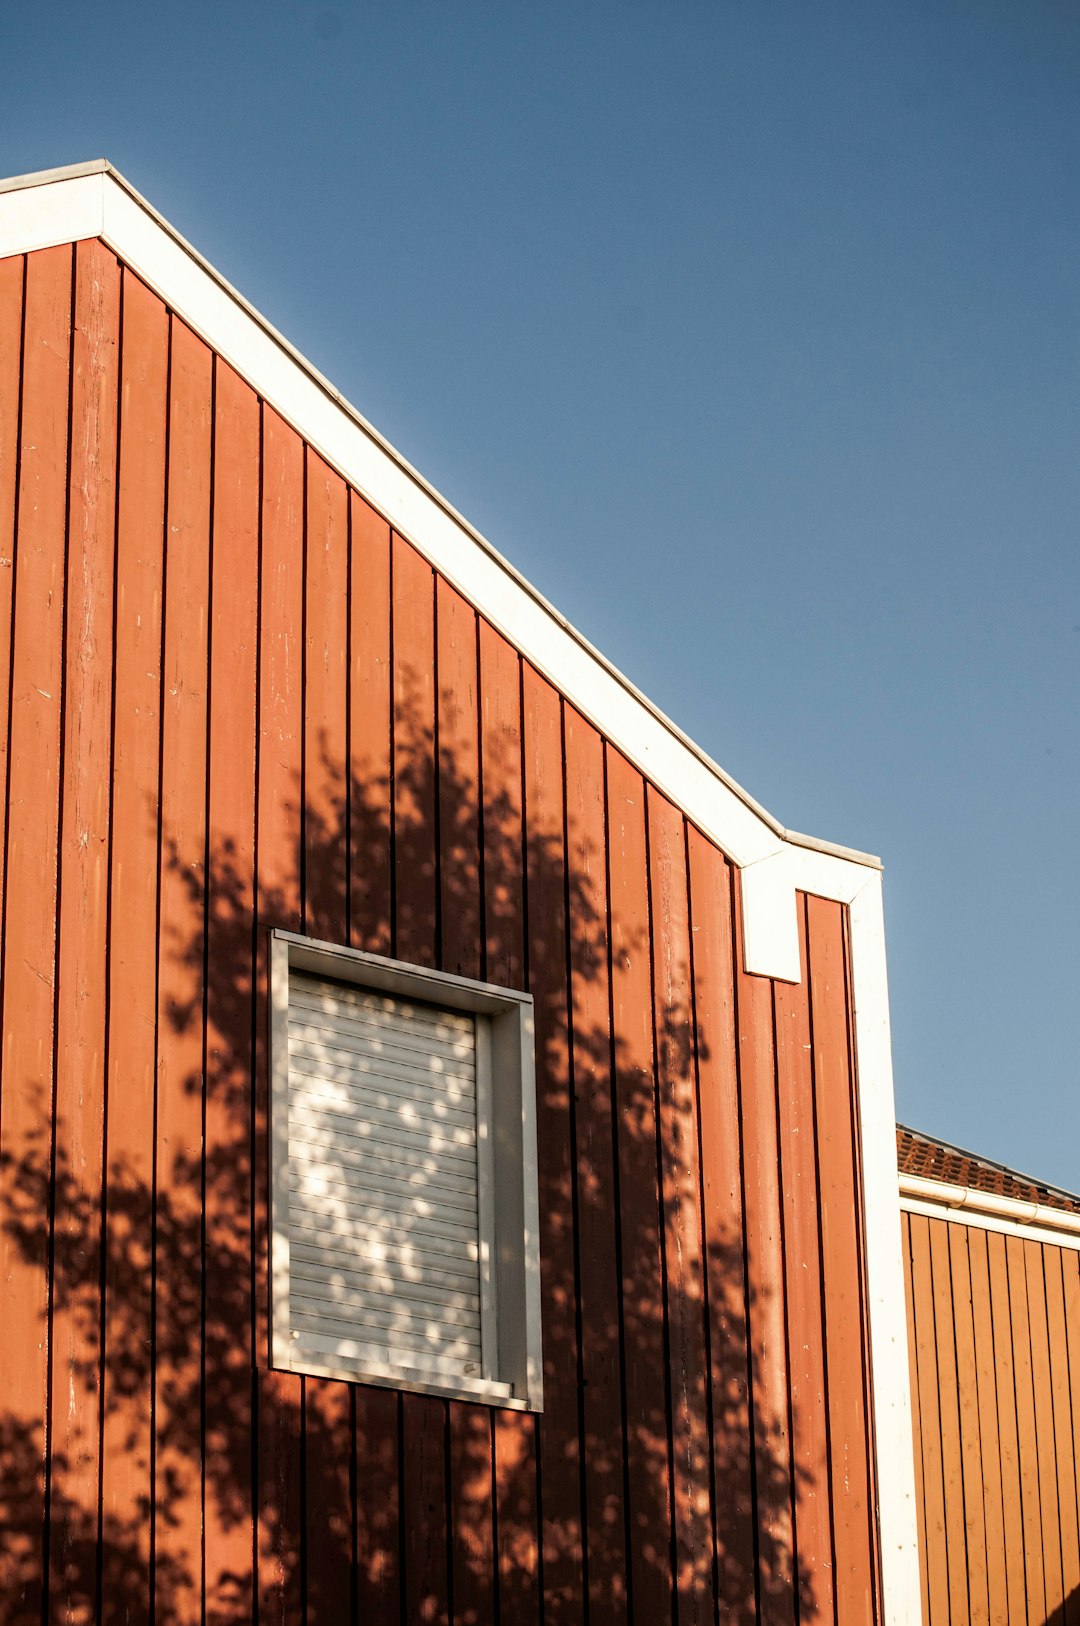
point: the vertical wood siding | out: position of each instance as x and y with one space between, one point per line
994 1342
233 699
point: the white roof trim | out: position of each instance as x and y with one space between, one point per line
92 200
988 1209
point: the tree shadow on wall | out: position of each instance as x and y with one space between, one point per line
201 1444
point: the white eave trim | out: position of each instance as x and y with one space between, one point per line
60 206
988 1211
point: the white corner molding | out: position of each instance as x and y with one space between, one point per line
94 201
890 1371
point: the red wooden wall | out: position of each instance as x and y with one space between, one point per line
234 700
994 1341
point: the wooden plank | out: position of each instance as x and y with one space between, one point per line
1027 1434
29 946
378 1421
598 1255
970 1439
80 1043
1070 1273
721 1177
471 1505
328 1427
472 1554
12 270
127 1484
648 1443
229 1494
765 1288
504 858
1063 1433
949 1414
989 1434
326 845
424 1508
845 1350
424 1419
916 1414
803 1284
683 1253
937 1566
1008 1432
1044 1426
182 881
559 1443
514 1435
280 734
328 1432
459 788
378 1411
414 786
370 816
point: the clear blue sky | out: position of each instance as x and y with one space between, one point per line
750 332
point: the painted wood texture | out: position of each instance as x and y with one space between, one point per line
236 700
994 1334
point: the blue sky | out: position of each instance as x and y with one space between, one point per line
751 334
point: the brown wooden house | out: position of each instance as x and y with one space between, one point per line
447 1161
993 1287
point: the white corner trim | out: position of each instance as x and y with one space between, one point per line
988 1211
890 1372
86 201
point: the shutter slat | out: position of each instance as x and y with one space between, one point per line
368 1063
363 1102
439 1328
335 997
437 1269
459 1151
319 1187
352 1290
347 1160
353 1226
342 1215
381 1036
404 1121
371 1356
342 1083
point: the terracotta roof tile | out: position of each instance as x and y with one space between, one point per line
932 1159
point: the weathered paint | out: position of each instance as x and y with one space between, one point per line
257 706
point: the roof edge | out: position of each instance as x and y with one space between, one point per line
65 172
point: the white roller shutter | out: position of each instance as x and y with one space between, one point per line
383 1186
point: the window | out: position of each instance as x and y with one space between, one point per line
403 1198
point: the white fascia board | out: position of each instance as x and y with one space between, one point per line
889 1367
34 216
93 201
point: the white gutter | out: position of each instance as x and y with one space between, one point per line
918 1194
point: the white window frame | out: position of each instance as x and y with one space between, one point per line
512 1366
